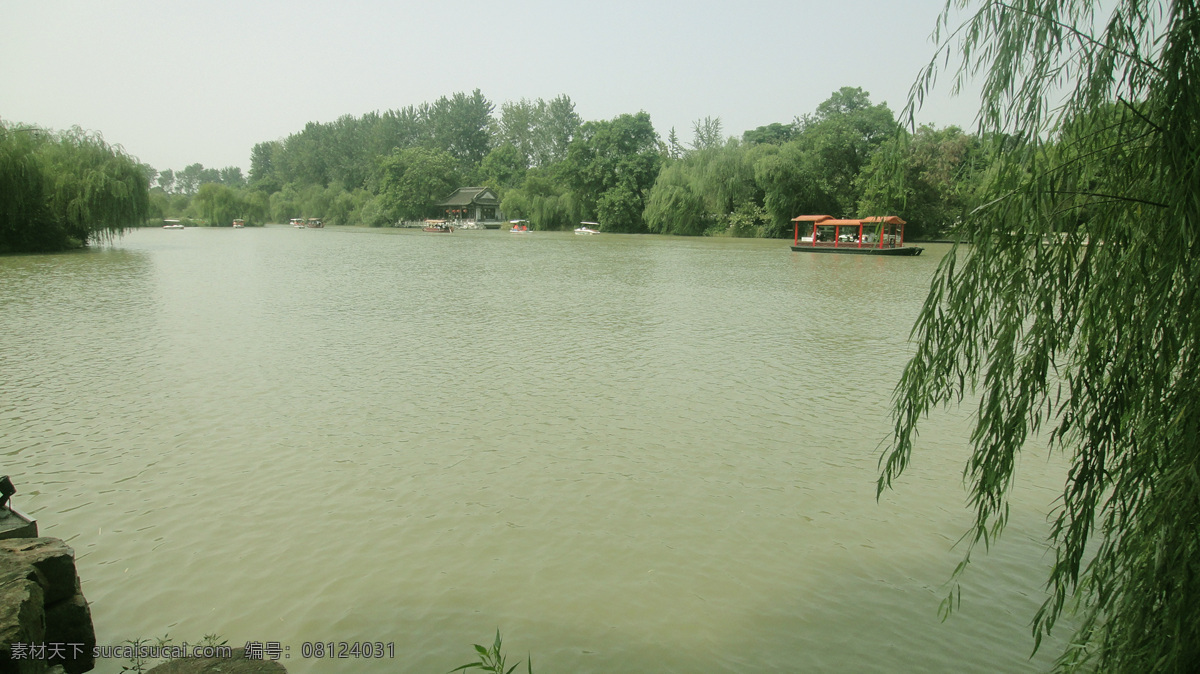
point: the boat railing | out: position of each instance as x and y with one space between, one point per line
851 244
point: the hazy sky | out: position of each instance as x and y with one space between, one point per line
177 82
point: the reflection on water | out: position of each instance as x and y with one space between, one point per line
628 453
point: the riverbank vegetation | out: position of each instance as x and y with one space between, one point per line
63 190
554 169
546 164
1074 315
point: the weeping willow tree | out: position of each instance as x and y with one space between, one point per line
1074 316
60 191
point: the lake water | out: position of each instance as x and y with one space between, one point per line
628 453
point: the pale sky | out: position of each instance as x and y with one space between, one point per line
177 82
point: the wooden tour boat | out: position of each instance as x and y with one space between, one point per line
879 235
438 227
588 228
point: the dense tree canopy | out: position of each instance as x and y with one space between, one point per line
1075 314
611 166
550 167
64 190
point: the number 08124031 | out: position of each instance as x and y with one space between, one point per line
348 649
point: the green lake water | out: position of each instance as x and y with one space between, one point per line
628 453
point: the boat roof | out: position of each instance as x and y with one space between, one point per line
836 222
888 219
812 218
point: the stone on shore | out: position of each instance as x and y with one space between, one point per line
41 604
238 664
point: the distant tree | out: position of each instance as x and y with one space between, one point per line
218 204
503 167
515 128
706 133
698 194
938 181
839 141
792 183
262 167
414 180
166 180
673 207
544 200
558 123
151 173
606 155
771 134
674 148
209 175
459 126
540 130
187 181
231 176
620 209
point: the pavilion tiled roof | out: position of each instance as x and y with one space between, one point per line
465 196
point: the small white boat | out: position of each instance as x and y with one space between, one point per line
172 224
239 224
588 228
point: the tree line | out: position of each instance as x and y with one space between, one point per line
554 169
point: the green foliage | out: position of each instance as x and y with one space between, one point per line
932 176
551 169
166 180
25 220
492 659
748 221
838 141
413 180
64 190
540 131
139 663
697 194
706 134
544 201
1075 314
673 208
503 167
619 156
262 168
771 134
459 126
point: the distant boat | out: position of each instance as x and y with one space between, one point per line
172 224
438 227
314 223
238 224
880 235
588 228
519 226
298 223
